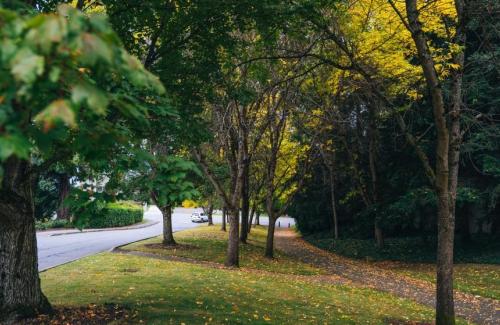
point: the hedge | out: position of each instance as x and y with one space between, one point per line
117 214
52 224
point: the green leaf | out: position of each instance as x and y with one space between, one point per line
54 74
26 66
14 145
52 30
95 98
57 110
95 49
139 76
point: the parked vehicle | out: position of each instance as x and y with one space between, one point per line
199 217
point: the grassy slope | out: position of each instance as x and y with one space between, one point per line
163 292
408 256
211 244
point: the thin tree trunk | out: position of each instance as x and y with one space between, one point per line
334 208
209 214
379 235
257 218
372 156
245 203
20 292
168 235
223 226
64 188
270 237
232 258
445 311
250 220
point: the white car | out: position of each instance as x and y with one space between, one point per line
199 217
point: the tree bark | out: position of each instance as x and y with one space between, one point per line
245 203
232 258
334 208
372 156
379 235
257 218
250 220
270 237
210 212
20 292
168 235
64 188
223 226
445 311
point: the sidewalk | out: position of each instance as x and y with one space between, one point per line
473 308
61 232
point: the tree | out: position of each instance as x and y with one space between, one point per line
232 150
448 133
163 180
282 157
66 83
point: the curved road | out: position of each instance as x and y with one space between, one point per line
55 249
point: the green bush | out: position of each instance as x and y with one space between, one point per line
52 224
117 214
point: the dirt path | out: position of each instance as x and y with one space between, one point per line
476 309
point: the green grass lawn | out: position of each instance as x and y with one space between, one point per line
210 244
165 292
477 270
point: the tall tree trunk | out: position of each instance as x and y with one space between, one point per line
379 235
372 156
20 292
445 311
270 237
250 220
224 215
334 207
168 235
445 178
245 203
257 218
232 258
209 214
64 188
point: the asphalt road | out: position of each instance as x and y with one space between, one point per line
55 249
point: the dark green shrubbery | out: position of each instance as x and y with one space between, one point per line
52 224
117 214
480 249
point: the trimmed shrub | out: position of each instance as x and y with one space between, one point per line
52 224
117 214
